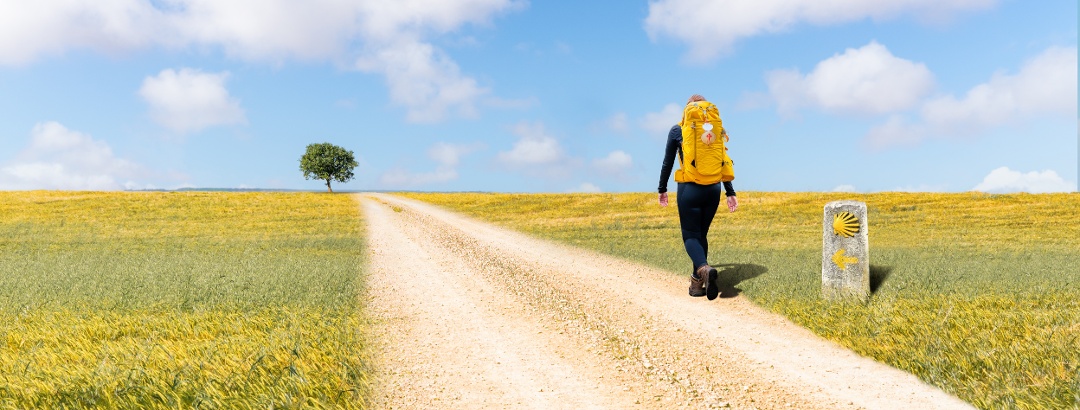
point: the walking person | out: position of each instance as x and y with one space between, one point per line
703 168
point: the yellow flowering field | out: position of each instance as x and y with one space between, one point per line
181 300
978 294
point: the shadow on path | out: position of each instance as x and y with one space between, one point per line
730 275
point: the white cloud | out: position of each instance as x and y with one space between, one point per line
844 188
616 164
659 123
190 100
586 187
446 158
424 80
389 37
867 80
711 28
264 30
1004 180
32 29
1045 86
533 147
421 77
538 154
449 155
59 158
268 30
253 30
896 131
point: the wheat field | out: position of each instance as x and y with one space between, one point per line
181 300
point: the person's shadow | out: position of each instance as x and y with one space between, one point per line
730 275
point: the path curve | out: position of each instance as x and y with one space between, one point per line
467 315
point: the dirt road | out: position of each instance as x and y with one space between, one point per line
472 316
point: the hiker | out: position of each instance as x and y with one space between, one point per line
698 179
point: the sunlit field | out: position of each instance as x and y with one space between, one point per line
181 300
978 294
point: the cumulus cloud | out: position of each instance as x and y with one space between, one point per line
533 147
450 154
896 131
867 80
615 165
190 100
1045 86
711 28
844 188
538 154
388 38
423 79
659 123
586 187
1005 180
444 156
59 158
265 30
32 29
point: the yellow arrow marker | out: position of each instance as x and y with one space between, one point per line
842 261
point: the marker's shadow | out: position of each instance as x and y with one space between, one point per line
730 275
878 274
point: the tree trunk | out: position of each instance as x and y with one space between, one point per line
328 186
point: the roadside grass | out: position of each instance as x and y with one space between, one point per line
181 300
977 294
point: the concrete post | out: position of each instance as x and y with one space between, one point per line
845 254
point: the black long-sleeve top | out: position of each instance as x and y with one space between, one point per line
674 145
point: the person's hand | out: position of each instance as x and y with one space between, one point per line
732 203
663 199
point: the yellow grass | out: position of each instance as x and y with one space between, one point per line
154 358
70 216
180 300
972 221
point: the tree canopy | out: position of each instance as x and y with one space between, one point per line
328 162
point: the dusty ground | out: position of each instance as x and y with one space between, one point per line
472 316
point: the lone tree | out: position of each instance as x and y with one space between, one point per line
328 162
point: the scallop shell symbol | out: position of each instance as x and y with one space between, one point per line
845 224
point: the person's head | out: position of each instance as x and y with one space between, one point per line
695 97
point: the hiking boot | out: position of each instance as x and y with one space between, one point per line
697 286
711 290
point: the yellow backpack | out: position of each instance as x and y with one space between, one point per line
703 159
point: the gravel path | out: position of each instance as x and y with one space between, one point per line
471 316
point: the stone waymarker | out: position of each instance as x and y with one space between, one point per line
845 252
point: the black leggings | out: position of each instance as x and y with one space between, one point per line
697 207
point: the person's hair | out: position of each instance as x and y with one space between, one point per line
695 97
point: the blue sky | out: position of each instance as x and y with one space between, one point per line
531 96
